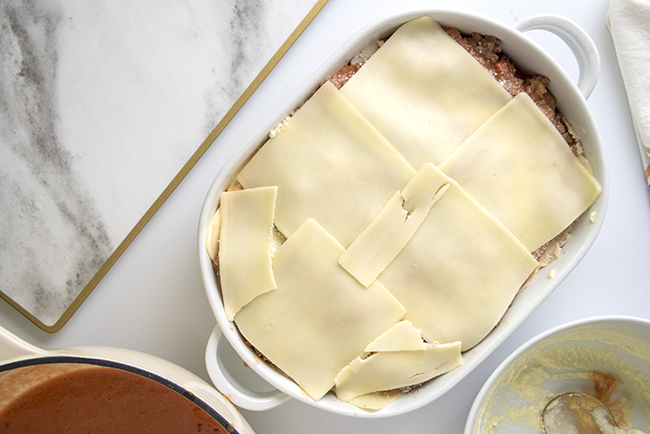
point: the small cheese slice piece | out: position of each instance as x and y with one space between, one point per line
400 337
376 401
320 317
519 168
460 271
245 246
424 92
388 233
212 237
392 370
329 164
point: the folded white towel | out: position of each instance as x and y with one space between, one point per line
629 25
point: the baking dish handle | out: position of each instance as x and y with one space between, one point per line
230 387
580 43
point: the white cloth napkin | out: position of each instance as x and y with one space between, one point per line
629 26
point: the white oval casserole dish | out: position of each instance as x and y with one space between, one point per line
529 57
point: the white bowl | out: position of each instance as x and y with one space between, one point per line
16 353
557 361
571 100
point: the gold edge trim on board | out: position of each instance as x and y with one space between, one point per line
176 181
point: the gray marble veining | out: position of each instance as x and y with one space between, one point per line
46 203
101 104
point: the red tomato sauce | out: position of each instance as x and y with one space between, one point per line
83 398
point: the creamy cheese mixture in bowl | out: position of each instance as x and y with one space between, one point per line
606 357
365 314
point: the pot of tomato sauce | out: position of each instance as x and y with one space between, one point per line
105 390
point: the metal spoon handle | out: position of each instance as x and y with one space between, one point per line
575 413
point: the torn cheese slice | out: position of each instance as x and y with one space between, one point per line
424 92
329 164
400 337
519 168
320 317
388 233
392 370
460 271
245 246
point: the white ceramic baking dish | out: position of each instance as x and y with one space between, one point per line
16 353
621 345
528 56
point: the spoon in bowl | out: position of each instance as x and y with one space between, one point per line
579 413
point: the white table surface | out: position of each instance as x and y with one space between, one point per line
152 300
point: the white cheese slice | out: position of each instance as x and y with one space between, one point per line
329 164
400 337
460 271
320 317
519 168
245 246
386 235
376 401
424 92
392 370
212 238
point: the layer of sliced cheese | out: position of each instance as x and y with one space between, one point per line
329 164
245 246
400 337
434 260
392 370
424 92
320 317
460 271
519 168
391 230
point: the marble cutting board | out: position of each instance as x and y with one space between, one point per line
104 106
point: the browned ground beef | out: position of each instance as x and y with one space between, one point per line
343 75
